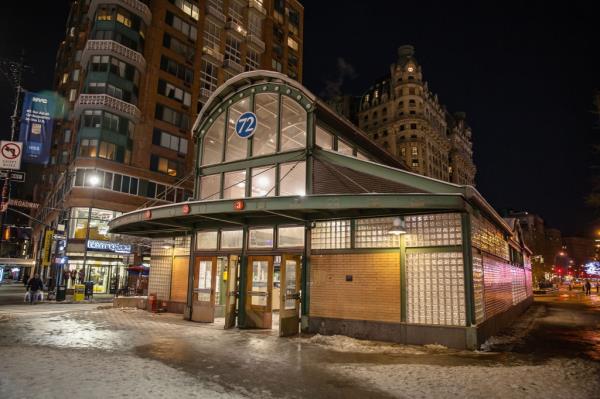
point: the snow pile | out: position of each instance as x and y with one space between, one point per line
341 343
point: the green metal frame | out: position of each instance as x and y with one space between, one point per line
467 249
403 281
241 315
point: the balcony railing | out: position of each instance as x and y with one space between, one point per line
217 15
236 28
134 6
107 103
256 42
110 47
233 66
256 5
213 53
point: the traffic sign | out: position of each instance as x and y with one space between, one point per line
246 125
19 177
10 154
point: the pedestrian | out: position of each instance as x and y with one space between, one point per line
598 287
588 287
34 285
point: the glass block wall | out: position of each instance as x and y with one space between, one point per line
497 277
375 233
519 289
334 234
161 262
433 230
478 288
436 290
488 238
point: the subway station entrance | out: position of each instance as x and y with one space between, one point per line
263 295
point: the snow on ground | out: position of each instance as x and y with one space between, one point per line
73 373
559 378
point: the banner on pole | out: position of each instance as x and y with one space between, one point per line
37 123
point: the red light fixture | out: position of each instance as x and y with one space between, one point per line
186 209
239 205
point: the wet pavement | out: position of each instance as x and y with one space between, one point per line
559 335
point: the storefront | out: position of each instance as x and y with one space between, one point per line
105 265
302 222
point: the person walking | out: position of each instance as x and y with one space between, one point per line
588 287
34 285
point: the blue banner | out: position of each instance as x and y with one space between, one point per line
37 122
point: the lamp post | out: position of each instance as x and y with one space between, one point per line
93 181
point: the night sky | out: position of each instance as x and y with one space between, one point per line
524 72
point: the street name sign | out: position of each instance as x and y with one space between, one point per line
19 177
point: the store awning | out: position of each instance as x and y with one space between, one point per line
17 262
182 218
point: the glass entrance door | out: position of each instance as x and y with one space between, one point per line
259 289
203 299
289 299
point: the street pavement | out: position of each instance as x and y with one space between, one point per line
92 351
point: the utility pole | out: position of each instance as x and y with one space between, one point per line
13 72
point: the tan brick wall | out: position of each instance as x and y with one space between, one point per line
373 293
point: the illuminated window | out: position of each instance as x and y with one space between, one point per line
236 146
292 44
210 187
264 140
212 143
234 185
290 237
263 182
292 178
323 139
206 240
293 125
260 238
344 148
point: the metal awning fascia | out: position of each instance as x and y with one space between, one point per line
173 216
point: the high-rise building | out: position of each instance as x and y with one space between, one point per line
405 117
135 74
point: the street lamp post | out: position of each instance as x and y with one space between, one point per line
94 181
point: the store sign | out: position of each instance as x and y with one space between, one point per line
10 155
246 125
109 246
47 248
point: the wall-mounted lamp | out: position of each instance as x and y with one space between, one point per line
398 228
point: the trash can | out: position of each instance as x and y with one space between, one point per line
89 289
78 292
61 293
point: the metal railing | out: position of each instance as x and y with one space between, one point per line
110 47
135 6
104 101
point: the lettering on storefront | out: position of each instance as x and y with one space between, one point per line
109 246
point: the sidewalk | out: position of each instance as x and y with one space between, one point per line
14 294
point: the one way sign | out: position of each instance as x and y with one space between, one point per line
19 177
